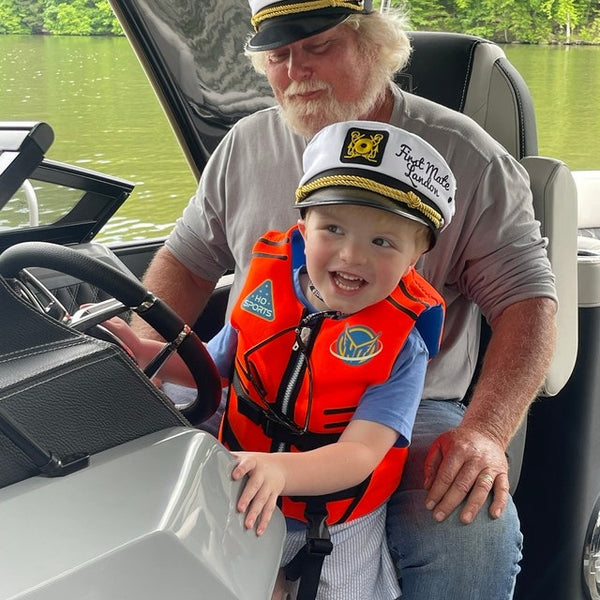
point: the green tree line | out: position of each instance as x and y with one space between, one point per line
58 17
528 21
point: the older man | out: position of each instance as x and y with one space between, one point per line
329 61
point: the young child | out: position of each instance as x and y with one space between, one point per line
327 348
326 351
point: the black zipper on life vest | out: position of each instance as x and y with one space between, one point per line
294 373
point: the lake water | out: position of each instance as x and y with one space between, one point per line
565 85
105 116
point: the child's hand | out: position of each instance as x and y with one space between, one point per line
266 481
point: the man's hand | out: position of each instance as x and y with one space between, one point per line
463 463
467 463
144 350
129 339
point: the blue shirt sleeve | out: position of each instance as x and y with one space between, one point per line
395 402
222 349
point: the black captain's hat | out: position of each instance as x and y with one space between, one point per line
279 23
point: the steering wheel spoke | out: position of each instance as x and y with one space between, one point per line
35 292
93 314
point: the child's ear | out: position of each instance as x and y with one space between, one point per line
413 263
302 227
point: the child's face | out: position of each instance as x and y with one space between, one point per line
356 255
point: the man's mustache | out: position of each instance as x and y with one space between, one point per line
305 87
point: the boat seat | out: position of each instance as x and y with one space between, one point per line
473 75
588 240
555 205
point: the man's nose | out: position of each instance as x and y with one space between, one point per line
299 66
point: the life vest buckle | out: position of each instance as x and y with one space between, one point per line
319 546
318 541
270 426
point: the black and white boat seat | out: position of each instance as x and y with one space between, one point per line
588 240
473 75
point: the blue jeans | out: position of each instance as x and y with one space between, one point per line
448 559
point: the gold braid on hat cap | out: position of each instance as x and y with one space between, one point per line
298 7
409 198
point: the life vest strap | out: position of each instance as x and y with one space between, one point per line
308 562
277 430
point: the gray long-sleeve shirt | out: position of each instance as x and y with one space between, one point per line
491 255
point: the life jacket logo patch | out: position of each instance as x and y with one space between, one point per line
357 345
259 302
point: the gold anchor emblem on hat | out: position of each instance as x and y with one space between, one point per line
363 146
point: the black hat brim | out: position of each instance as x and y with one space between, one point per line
280 31
360 197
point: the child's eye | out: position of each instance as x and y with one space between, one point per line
381 242
334 228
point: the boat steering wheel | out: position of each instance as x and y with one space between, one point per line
127 294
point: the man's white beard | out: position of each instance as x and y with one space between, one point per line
307 117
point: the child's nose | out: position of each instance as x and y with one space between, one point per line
352 253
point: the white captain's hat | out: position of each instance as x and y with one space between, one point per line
376 164
279 23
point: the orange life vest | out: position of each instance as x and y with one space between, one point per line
299 376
